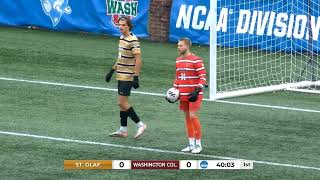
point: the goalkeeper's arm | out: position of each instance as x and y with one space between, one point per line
201 72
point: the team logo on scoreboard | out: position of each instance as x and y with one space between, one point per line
118 8
204 164
55 9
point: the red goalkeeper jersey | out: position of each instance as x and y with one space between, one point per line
190 73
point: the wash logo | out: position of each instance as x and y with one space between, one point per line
55 9
118 8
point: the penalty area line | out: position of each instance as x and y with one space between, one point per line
157 94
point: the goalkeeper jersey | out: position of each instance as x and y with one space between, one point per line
125 65
190 73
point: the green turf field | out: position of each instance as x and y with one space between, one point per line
268 134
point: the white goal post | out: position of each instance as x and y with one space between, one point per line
274 47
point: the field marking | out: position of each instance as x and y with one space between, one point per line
152 150
156 94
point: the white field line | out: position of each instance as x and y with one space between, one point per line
152 150
156 94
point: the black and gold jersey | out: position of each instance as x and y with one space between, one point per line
125 65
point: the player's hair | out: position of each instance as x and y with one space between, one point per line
128 21
187 41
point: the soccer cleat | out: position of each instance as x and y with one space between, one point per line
188 149
140 131
119 133
196 150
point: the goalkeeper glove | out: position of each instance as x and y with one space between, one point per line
135 82
109 75
194 95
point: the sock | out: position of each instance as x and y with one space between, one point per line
190 128
198 142
140 124
123 118
123 128
191 141
197 127
132 114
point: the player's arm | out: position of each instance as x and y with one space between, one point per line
137 55
114 67
201 72
175 85
137 68
175 81
110 73
138 64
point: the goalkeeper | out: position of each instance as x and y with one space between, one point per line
190 80
128 67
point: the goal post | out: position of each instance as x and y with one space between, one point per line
213 52
264 46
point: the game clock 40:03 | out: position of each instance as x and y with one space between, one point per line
225 164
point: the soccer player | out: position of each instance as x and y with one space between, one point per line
127 67
190 80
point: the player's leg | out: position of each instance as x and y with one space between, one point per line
123 96
123 105
197 126
184 106
194 108
190 132
140 125
126 110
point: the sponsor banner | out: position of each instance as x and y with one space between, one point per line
76 15
271 25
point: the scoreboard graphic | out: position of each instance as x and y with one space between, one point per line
156 164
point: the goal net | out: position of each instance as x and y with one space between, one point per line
261 46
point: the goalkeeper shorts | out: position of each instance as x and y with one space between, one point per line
191 106
124 88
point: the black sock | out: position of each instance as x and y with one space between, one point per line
124 118
132 114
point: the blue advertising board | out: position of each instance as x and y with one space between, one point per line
271 25
76 15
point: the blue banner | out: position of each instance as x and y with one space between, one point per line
99 16
271 25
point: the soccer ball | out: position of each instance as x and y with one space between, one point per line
172 95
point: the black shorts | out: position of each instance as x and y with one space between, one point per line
124 88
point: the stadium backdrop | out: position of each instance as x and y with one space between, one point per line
277 25
270 25
75 15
